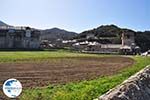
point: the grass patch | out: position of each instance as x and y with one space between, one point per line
12 56
85 90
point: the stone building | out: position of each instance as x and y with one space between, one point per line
19 38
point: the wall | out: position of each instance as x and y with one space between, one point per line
17 39
137 87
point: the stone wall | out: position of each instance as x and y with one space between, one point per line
19 39
137 87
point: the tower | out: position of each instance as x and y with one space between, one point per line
127 38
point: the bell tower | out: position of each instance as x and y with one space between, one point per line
127 38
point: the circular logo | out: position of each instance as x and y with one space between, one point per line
12 88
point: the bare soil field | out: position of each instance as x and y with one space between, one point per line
62 70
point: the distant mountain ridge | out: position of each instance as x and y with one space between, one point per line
52 34
56 33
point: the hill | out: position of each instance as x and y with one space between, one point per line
112 34
143 40
56 33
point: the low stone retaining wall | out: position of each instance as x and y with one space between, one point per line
137 87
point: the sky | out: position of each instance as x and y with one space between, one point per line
76 15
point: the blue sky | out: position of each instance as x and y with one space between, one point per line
76 15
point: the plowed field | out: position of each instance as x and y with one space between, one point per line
62 70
